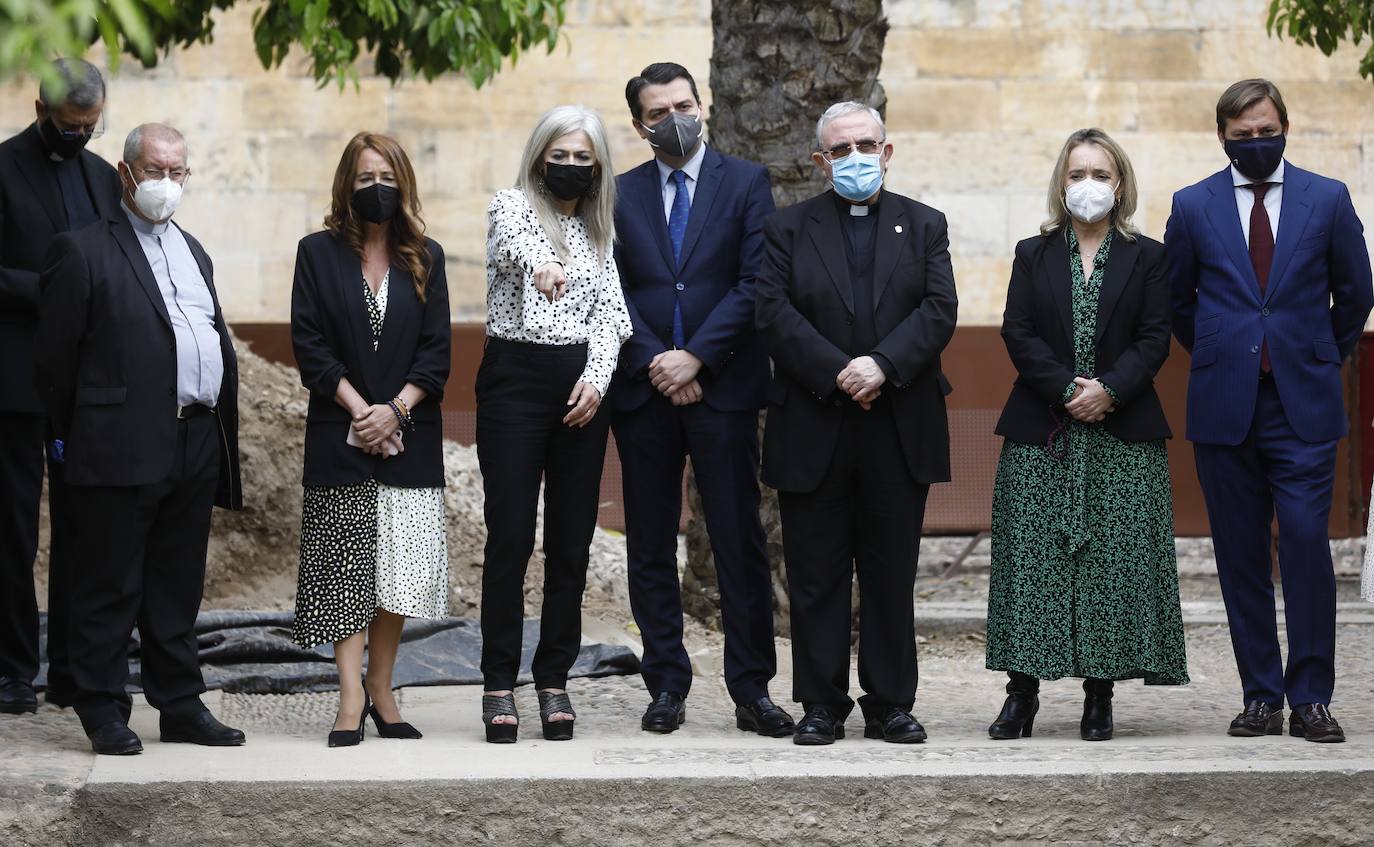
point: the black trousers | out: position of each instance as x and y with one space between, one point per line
654 441
522 396
141 560
866 515
21 487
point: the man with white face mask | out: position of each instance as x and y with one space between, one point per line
140 380
855 301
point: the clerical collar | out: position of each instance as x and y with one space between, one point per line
143 226
855 210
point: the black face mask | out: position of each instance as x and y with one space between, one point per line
376 203
1256 158
569 182
676 135
67 148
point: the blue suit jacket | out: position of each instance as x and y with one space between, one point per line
1311 314
721 253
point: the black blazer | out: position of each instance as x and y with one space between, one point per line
1133 324
805 313
31 216
333 339
107 363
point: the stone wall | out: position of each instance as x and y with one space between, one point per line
981 94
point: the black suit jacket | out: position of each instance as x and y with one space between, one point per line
107 362
332 339
805 312
1133 324
31 216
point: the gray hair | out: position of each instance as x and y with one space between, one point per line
133 142
846 108
597 207
82 85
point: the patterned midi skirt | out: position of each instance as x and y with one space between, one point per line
367 547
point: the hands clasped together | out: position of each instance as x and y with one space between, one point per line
379 430
1090 402
862 379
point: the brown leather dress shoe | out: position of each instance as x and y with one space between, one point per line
1259 718
1314 722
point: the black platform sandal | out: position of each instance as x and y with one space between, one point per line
495 706
551 704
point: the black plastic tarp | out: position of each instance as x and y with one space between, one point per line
250 652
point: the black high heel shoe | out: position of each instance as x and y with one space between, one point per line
1018 712
1097 710
351 737
400 729
551 704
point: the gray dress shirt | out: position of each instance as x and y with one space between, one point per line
200 364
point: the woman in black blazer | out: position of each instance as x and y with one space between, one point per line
1084 582
370 329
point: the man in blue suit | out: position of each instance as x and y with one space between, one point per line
1272 287
691 381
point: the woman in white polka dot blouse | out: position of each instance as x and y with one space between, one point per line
556 318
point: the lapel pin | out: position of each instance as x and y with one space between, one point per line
897 229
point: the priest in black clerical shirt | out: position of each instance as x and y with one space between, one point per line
855 301
49 184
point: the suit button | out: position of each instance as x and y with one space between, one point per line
680 287
849 321
171 392
1254 349
835 402
1264 312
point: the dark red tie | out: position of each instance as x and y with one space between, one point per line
1261 250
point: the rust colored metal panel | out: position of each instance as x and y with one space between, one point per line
977 365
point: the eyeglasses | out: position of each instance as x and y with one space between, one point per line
867 146
177 175
79 134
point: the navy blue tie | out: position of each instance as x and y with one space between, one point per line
677 229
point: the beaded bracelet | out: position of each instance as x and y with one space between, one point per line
404 420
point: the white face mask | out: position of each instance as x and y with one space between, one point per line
1089 200
158 198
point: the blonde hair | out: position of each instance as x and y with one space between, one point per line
597 206
1058 220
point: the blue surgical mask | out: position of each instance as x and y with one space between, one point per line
857 176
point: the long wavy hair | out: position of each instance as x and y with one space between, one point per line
597 207
405 236
1059 217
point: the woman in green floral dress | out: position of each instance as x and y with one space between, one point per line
1084 581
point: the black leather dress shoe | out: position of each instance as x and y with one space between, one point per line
1314 722
665 714
16 697
1259 718
764 717
115 739
895 724
200 728
820 725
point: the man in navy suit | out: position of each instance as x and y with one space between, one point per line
1272 287
691 381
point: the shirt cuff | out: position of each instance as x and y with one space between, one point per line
1067 394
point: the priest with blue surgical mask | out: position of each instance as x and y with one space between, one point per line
855 302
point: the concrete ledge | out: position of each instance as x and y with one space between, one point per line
1137 805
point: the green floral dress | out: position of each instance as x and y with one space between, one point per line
1084 581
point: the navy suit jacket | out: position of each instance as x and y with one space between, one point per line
714 281
1311 314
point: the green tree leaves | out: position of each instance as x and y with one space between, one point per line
1324 24
406 38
